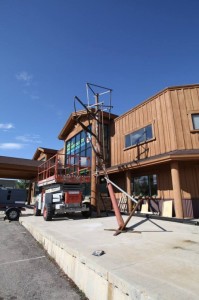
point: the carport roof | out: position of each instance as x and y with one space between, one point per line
18 168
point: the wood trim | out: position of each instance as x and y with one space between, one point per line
167 158
190 113
142 143
138 128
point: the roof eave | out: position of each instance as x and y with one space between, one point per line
165 158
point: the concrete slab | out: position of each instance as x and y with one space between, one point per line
158 262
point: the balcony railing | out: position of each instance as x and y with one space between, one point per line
64 169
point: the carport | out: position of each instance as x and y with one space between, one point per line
19 168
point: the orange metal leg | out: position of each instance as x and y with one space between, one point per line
115 206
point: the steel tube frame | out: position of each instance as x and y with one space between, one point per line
121 190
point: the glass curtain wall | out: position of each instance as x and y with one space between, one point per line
80 146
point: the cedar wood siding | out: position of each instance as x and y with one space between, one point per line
189 179
76 129
168 113
184 101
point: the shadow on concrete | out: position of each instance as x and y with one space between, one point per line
144 221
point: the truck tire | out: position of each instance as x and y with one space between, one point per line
87 214
36 211
48 212
13 214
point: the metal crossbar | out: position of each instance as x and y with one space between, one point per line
121 190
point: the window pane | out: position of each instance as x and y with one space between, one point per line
88 152
83 140
145 185
72 145
139 136
154 186
77 143
83 161
88 139
149 133
128 140
68 147
195 119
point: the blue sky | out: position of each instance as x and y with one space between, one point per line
50 49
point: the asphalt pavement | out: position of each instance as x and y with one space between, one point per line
27 272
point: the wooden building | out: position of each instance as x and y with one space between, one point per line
78 142
152 151
43 154
155 146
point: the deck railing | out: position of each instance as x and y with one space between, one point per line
60 168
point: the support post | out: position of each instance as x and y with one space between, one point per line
29 192
128 189
176 190
93 168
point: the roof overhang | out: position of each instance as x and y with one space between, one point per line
71 122
69 125
41 150
18 168
177 155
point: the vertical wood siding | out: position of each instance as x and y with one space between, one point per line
189 179
165 188
168 113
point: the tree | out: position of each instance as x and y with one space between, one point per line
22 184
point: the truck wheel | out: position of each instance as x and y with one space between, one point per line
87 214
36 211
48 212
13 214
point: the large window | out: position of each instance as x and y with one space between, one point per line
139 136
145 185
79 145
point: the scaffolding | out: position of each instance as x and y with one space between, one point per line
95 112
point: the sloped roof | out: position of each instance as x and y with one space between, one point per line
171 88
43 150
71 122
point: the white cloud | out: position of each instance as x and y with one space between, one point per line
6 126
24 77
11 146
28 138
59 113
34 97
